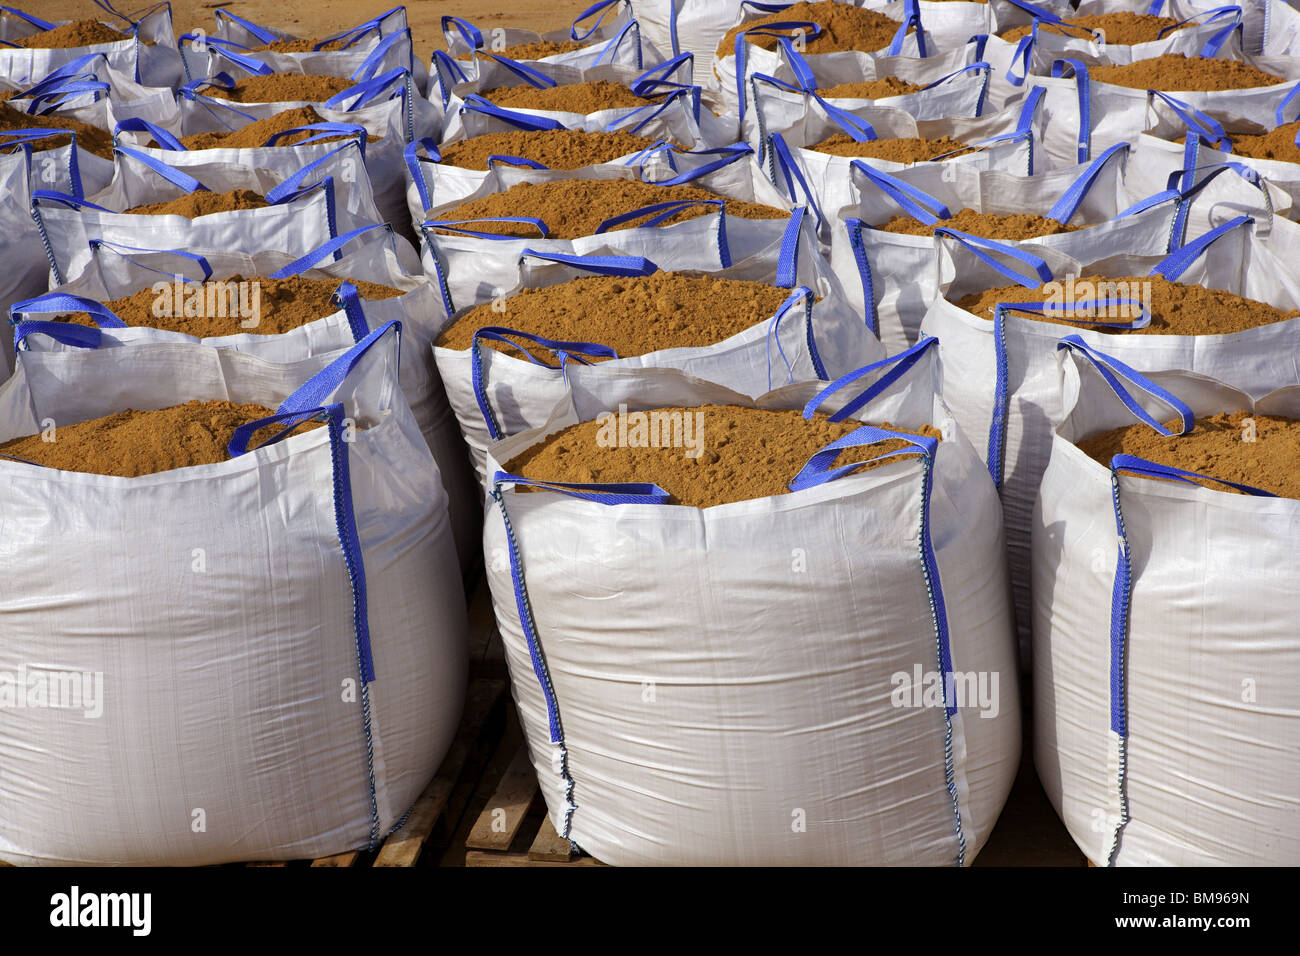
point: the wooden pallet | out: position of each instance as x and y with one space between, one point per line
513 828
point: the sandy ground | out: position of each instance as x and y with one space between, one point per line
322 17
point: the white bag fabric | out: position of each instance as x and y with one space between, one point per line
618 41
1118 114
88 89
475 268
1007 143
67 169
732 72
1165 714
678 114
310 203
376 46
1033 55
803 115
894 278
278 642
494 394
702 608
148 55
1000 378
115 273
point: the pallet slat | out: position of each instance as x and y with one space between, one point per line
549 846
509 804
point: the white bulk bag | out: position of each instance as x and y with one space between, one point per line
803 115
379 105
280 638
781 697
67 169
310 203
1086 116
733 69
893 278
494 393
676 115
474 267
1165 714
147 55
376 46
88 89
116 272
1005 141
1000 377
618 41
1033 55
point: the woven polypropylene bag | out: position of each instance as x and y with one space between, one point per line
1166 656
726 685
286 630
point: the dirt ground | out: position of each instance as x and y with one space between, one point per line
323 17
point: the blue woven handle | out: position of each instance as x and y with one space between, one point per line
600 265
614 493
1112 370
1065 207
328 248
898 366
1150 469
163 138
476 104
914 201
817 470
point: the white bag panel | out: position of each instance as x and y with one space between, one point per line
287 644
1211 778
153 63
731 797
1259 360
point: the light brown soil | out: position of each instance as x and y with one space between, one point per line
93 140
1176 309
1277 144
633 316
582 98
295 46
283 88
1123 29
557 149
869 89
202 203
255 135
572 208
132 443
78 33
735 454
989 226
844 27
1174 72
896 149
279 305
1219 447
531 51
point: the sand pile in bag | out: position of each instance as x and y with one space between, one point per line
633 316
1277 144
584 98
221 307
1175 308
282 88
97 141
255 134
529 51
555 149
725 453
869 90
132 443
985 224
299 46
843 27
1120 29
78 33
202 203
572 208
1174 72
896 149
1250 449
